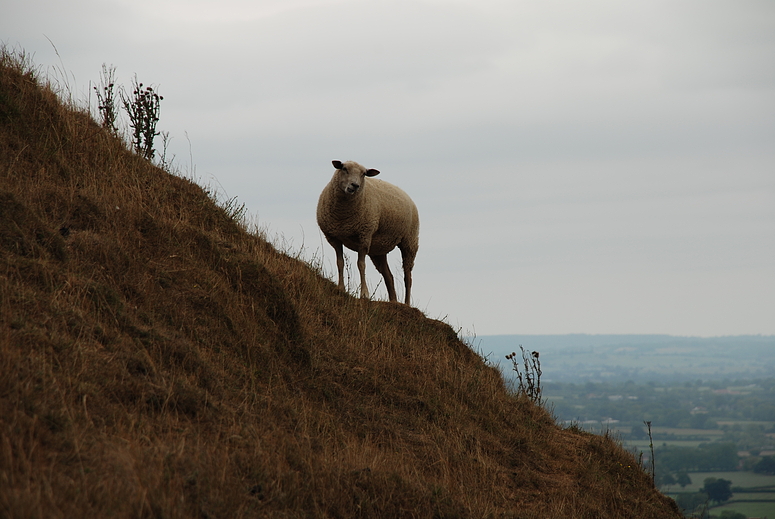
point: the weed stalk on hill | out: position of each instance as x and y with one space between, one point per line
106 99
164 163
143 108
651 446
528 375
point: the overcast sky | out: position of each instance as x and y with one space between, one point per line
579 167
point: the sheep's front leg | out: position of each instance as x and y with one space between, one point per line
339 262
362 270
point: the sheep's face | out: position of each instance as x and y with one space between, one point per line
350 176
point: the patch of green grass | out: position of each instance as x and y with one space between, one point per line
754 496
749 509
738 479
644 444
688 432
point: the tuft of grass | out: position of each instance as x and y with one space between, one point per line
157 360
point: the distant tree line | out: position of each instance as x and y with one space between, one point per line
705 458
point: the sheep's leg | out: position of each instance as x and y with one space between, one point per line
339 262
381 263
362 270
408 285
407 257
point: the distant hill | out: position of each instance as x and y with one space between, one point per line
157 360
580 358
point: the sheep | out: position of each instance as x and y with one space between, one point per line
369 218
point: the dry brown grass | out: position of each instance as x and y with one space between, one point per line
156 360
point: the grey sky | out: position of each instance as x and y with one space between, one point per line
590 167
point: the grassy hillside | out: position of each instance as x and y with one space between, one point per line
156 360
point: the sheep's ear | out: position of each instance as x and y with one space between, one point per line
337 164
372 172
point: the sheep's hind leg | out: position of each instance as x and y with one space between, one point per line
407 257
381 263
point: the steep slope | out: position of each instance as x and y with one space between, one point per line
156 360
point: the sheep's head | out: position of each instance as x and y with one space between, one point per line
350 176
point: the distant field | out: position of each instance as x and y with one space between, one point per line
738 479
711 434
754 496
743 423
748 509
687 432
644 444
741 502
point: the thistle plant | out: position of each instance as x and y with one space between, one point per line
143 109
106 99
528 375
